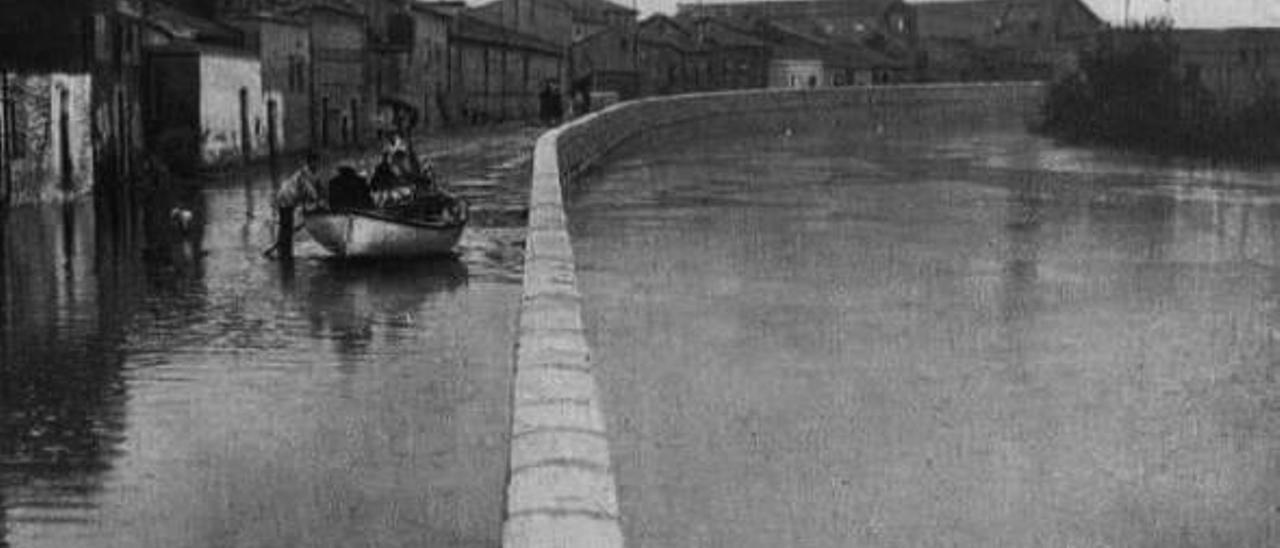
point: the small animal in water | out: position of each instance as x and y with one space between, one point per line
183 219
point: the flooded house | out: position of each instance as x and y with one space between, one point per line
282 44
69 98
205 101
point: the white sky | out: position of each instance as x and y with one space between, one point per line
1187 13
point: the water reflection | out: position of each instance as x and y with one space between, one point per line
65 303
118 329
973 337
345 300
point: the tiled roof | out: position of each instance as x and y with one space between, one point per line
973 18
797 8
589 6
184 26
471 28
847 53
662 29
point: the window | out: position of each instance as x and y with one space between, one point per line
622 44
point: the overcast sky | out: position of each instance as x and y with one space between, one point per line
1187 13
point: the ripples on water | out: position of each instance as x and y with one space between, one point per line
907 332
158 389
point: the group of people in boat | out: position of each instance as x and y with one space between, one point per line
399 185
399 179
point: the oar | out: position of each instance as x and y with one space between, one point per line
276 245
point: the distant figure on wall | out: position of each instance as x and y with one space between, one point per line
548 104
582 96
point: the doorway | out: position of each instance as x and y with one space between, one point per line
246 138
273 147
64 139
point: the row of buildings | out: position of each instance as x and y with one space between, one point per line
88 87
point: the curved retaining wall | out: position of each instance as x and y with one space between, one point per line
561 491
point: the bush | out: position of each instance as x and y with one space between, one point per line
1129 91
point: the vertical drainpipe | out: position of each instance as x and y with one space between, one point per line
311 80
6 178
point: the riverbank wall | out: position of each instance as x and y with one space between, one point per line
561 490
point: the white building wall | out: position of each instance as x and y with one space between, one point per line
222 80
35 164
796 73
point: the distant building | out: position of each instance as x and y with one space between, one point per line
557 21
799 60
342 109
730 54
496 72
430 62
1003 39
597 36
666 51
886 26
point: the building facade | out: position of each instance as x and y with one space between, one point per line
887 26
496 73
216 92
70 96
342 109
283 47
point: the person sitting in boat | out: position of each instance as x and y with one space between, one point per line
393 181
349 191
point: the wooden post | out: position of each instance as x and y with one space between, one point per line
284 233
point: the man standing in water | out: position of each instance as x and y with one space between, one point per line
300 189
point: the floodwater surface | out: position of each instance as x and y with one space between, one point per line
927 332
169 390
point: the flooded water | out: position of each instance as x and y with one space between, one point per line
933 333
162 390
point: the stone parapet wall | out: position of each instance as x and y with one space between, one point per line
561 491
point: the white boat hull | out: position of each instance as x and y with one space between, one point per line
369 235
